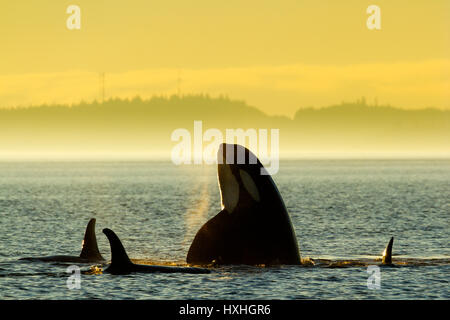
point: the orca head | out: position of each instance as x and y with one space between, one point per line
253 226
239 177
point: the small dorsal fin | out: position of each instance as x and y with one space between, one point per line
90 249
387 254
119 257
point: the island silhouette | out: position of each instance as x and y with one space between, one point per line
145 126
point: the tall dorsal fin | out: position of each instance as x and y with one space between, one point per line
90 249
119 257
387 254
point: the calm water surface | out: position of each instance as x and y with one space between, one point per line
342 211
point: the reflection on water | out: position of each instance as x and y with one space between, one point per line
343 212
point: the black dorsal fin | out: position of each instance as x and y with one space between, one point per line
90 249
119 257
387 254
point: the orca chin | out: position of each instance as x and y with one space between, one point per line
254 226
89 252
121 264
387 254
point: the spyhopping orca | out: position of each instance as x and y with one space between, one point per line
254 226
89 252
121 264
387 253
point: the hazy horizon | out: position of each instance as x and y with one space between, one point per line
140 129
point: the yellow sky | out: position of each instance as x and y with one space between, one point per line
276 55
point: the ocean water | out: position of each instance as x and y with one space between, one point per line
343 211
